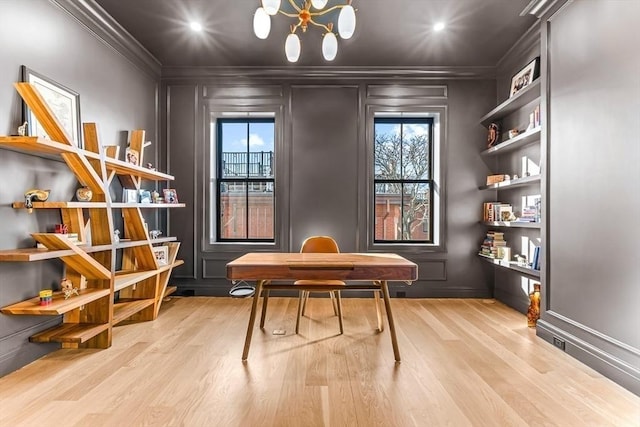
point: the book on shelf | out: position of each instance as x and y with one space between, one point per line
535 264
494 179
492 245
497 211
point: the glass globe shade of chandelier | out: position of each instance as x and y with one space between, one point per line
306 17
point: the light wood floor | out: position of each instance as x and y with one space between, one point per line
464 362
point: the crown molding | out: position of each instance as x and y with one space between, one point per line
98 22
323 72
529 41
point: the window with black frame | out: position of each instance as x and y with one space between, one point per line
245 179
403 180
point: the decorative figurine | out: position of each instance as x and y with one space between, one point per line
22 130
154 234
155 197
116 236
67 288
150 167
493 135
84 194
35 195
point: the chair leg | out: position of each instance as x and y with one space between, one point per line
265 301
301 297
332 294
339 304
378 303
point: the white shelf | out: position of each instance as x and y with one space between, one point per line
527 271
519 100
520 182
512 224
524 139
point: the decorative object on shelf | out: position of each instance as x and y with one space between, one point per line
504 253
67 288
46 296
162 254
155 197
170 195
35 195
536 116
63 102
306 17
493 135
132 156
23 129
513 133
524 77
154 234
129 195
145 196
533 313
515 176
112 151
521 260
150 166
61 228
116 236
84 194
494 179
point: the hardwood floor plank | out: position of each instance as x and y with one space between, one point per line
464 363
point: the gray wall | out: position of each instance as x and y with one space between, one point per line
324 151
592 277
113 93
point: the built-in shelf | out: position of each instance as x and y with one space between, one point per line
524 139
519 100
527 271
520 182
59 305
512 224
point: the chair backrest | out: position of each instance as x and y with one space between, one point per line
320 244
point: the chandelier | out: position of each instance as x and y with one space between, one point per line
306 17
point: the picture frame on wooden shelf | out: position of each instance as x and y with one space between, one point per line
129 195
132 156
63 102
493 134
170 195
145 196
525 76
162 254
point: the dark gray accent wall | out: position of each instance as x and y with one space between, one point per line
322 179
593 110
114 93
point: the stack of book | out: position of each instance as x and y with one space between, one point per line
529 214
492 244
497 211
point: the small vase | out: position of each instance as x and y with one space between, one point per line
533 314
84 194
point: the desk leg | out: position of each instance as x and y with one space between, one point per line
392 328
252 319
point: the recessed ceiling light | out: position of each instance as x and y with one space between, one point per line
439 26
195 26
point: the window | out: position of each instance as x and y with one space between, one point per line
245 179
403 180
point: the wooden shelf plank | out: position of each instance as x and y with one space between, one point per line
120 205
38 254
522 98
520 182
512 224
132 243
168 266
61 205
169 291
127 278
35 144
524 139
80 261
527 271
121 167
70 333
59 305
122 310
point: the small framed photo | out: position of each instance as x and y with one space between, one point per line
170 195
145 196
63 102
524 77
129 195
162 254
132 156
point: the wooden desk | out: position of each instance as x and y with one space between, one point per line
378 269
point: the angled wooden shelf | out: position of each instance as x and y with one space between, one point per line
527 271
77 333
519 182
125 279
519 100
61 205
133 243
40 254
35 144
59 305
524 139
170 290
124 309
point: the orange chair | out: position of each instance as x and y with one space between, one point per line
318 244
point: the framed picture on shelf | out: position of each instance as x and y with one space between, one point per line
162 254
170 195
132 156
129 195
63 102
145 196
493 135
524 77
